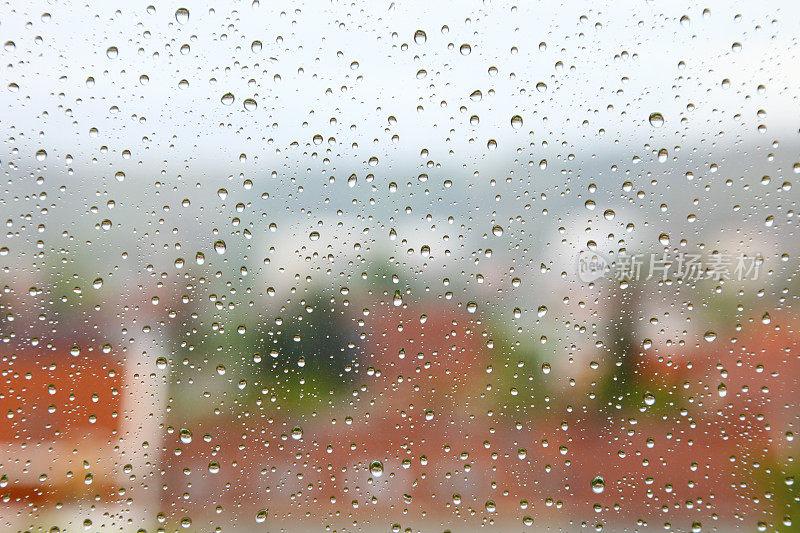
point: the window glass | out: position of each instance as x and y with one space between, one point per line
390 266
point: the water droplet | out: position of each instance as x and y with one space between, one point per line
398 299
649 398
185 436
219 247
497 231
297 433
255 46
250 104
261 516
598 485
656 120
516 122
227 99
710 336
472 307
182 15
420 37
112 52
314 236
376 468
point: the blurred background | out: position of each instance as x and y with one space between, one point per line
339 267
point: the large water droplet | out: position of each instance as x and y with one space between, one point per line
376 468
182 15
656 120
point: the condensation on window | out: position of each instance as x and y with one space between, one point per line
406 267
